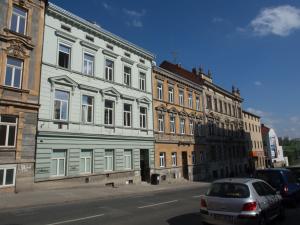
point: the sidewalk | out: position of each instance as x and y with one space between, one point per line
84 192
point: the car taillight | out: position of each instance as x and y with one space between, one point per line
250 206
285 189
203 203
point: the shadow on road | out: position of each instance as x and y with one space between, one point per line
190 219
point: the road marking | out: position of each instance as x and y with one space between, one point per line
74 220
161 203
197 196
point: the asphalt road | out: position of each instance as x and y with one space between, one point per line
178 207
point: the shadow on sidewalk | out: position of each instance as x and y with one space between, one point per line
190 219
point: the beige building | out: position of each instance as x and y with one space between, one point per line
253 140
219 149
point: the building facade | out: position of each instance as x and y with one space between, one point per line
178 121
273 151
21 40
95 121
222 135
253 140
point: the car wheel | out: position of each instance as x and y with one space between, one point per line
281 215
262 220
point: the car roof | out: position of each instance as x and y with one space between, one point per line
273 169
237 180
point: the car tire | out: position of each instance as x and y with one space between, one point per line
262 220
281 215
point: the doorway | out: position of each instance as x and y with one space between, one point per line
144 163
185 169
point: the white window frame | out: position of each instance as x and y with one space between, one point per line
181 97
127 76
92 62
107 110
197 103
60 100
142 81
161 127
125 114
171 94
57 164
18 20
109 71
112 157
128 156
182 126
70 53
162 159
160 90
191 127
8 125
85 108
14 68
190 100
174 158
5 168
172 124
85 159
143 118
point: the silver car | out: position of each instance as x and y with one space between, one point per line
240 201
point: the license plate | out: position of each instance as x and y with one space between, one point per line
223 217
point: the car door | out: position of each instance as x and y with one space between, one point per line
261 198
272 199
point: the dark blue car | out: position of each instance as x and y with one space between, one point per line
282 180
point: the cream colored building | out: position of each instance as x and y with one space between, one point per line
253 140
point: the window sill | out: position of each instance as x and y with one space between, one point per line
7 186
7 149
109 126
14 89
55 121
18 34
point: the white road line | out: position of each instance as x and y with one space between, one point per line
197 196
74 220
161 203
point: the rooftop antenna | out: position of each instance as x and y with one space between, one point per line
174 54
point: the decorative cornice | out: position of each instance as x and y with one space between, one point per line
110 53
129 61
65 36
89 45
95 29
143 67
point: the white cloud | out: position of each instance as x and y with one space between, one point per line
217 20
280 20
106 6
134 17
257 83
257 112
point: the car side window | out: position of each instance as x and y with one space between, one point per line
267 189
259 188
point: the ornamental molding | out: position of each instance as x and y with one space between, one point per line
161 108
144 100
63 80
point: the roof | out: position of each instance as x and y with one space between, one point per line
264 130
235 180
94 27
252 114
177 69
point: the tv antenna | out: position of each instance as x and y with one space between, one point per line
174 54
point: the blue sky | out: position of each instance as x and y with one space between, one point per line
254 45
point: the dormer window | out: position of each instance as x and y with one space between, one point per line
18 20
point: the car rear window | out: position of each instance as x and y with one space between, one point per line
229 190
272 177
290 177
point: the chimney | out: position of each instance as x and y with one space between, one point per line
194 71
179 65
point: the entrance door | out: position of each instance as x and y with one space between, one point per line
185 170
144 162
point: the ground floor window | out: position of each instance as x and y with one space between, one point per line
162 159
109 160
58 163
174 159
86 161
7 175
128 159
